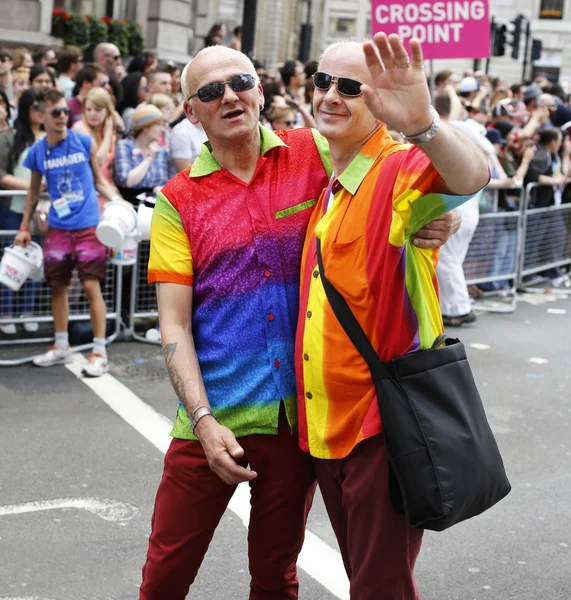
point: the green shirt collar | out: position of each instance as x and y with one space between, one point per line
353 175
205 163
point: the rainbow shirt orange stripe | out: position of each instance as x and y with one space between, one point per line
388 192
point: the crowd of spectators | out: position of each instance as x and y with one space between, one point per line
134 111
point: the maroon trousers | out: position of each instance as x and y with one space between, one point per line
191 500
378 548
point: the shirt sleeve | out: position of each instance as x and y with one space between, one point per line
30 162
6 145
170 259
180 145
419 195
122 162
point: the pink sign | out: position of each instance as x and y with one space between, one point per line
449 29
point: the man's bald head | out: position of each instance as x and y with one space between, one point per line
206 60
350 55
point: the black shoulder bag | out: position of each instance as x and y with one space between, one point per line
444 463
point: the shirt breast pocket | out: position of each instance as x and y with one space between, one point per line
346 268
296 208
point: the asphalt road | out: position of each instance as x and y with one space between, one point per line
77 482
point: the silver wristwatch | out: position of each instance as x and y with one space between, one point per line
429 133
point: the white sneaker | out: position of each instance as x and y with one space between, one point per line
31 327
54 356
97 366
153 335
8 329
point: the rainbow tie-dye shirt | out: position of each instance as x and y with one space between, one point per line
239 246
388 192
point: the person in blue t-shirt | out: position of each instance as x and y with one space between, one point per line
67 162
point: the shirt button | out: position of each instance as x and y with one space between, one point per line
271 317
309 395
266 273
309 313
316 274
277 364
306 356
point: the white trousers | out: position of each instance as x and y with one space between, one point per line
454 297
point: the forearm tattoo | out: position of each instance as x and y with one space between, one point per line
175 377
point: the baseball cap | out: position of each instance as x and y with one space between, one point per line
503 109
531 92
495 136
469 84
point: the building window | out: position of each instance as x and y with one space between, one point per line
342 26
551 9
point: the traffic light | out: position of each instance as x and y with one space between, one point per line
536 48
500 39
516 35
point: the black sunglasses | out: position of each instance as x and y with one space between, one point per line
345 86
288 123
57 112
36 107
215 91
103 83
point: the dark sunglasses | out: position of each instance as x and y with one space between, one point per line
287 123
104 83
57 112
118 57
214 91
345 86
36 107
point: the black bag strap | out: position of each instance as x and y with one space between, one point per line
353 328
350 324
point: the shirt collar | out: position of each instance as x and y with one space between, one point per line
353 175
205 163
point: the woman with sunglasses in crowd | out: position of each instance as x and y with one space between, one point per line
14 145
141 164
99 122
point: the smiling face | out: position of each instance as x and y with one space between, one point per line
341 119
233 117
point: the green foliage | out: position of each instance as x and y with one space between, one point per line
98 31
118 35
77 30
83 30
135 35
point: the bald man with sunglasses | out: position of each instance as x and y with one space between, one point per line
382 192
226 244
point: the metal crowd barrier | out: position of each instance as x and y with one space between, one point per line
37 297
507 249
143 300
492 258
546 243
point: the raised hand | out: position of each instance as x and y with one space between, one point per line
400 97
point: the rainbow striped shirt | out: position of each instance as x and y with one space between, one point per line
388 192
239 246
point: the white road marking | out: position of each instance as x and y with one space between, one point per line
477 346
109 510
538 361
24 598
556 311
317 559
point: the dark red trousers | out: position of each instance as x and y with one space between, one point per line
191 500
378 548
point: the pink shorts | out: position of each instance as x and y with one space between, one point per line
65 251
